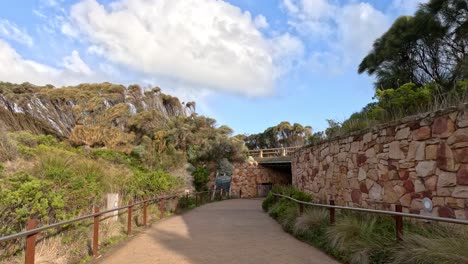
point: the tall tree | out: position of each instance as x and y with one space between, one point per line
429 47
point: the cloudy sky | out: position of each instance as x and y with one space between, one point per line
250 64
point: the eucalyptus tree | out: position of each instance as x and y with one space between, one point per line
429 47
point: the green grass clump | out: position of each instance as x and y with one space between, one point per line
441 244
367 238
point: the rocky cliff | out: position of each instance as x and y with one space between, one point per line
88 114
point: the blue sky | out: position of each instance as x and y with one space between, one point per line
248 64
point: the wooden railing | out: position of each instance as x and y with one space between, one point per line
273 152
32 231
398 214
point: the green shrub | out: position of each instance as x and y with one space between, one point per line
200 179
28 139
280 208
153 183
24 196
268 201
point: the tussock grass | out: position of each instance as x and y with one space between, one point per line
310 219
365 238
445 244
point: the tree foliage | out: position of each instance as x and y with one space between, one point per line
282 135
200 179
429 47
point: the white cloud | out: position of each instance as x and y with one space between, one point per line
358 26
75 64
16 69
261 22
67 30
11 31
345 32
311 17
200 43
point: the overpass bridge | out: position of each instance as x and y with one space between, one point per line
274 157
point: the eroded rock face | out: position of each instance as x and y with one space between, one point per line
398 164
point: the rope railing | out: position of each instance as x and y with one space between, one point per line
32 230
398 214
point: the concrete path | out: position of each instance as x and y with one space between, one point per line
232 231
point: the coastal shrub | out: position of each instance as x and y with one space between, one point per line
200 179
23 197
153 183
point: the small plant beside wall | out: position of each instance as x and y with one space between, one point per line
358 237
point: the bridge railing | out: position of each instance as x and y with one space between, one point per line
273 152
397 214
32 230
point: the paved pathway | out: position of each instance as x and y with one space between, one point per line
232 231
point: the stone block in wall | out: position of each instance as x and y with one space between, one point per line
405 200
419 186
422 133
447 212
462 175
445 158
461 155
389 194
442 127
461 135
425 168
446 179
416 151
430 183
462 120
395 151
375 192
403 133
431 152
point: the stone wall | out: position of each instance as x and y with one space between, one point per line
246 176
397 163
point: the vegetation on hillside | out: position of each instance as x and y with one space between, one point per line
363 238
63 149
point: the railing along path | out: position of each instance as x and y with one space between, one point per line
273 152
398 214
32 231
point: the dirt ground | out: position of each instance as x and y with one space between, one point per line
232 231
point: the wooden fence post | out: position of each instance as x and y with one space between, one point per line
129 219
96 233
31 242
240 193
399 223
332 213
